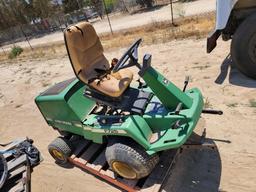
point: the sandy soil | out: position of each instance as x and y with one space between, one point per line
231 168
121 22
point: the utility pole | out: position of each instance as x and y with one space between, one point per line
105 6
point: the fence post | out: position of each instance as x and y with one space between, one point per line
105 6
172 12
26 38
126 9
173 24
4 51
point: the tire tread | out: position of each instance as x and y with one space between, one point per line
138 154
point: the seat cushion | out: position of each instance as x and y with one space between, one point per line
85 51
123 73
89 63
114 84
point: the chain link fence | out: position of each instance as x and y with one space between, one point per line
59 21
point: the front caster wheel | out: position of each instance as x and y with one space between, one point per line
129 159
60 149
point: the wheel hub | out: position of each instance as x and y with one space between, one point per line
124 170
58 155
252 48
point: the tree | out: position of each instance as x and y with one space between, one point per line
98 5
10 13
28 10
72 5
42 8
145 3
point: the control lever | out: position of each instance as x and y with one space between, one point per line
145 65
186 83
178 109
141 84
179 106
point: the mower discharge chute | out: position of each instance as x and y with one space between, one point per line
137 120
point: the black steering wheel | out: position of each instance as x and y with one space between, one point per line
132 54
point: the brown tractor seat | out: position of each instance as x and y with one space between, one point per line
88 61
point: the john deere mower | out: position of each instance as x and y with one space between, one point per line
137 120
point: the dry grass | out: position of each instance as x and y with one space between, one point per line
156 32
232 105
159 32
38 53
207 103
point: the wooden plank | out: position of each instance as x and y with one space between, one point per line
7 149
90 165
131 183
17 188
152 184
16 172
80 160
27 179
108 173
80 147
7 154
100 161
13 144
159 173
16 162
103 176
90 152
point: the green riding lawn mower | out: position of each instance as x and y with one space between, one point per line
138 120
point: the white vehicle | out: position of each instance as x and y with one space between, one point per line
236 20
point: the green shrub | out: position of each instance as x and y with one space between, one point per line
110 5
252 103
16 51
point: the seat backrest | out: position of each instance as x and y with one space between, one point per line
85 51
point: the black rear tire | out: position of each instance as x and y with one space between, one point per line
243 47
60 149
129 159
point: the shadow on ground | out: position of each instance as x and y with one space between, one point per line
196 170
235 77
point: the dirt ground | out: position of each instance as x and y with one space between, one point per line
231 168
